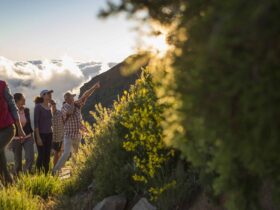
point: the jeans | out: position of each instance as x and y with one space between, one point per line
6 136
28 147
70 145
44 152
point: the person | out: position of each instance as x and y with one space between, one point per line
38 100
58 131
43 130
26 143
9 117
71 111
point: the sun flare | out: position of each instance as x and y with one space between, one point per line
159 44
154 39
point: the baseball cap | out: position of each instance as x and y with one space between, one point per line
43 92
68 95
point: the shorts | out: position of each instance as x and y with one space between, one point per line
57 146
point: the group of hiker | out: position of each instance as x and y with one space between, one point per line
55 130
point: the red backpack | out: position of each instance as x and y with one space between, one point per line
6 118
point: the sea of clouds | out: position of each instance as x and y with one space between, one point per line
62 75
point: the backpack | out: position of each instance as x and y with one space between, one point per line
6 118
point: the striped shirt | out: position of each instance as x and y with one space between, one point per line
73 120
58 126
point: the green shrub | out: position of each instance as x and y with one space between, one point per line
12 198
183 188
220 81
114 167
125 152
142 132
40 185
101 160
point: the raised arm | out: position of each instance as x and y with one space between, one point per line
87 94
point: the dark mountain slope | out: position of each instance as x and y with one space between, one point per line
113 83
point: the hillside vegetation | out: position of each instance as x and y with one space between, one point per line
200 125
220 82
125 153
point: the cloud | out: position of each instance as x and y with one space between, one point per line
31 77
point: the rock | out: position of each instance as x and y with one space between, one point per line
143 204
116 202
133 202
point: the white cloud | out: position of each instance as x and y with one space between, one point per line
31 77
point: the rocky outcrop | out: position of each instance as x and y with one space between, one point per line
116 202
143 204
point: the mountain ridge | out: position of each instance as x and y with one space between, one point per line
112 84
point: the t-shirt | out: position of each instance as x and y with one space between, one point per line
22 117
43 119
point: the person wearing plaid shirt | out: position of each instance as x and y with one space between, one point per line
58 131
71 111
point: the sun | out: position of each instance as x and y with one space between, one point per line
156 41
159 44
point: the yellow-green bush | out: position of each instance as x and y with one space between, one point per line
125 152
141 121
11 198
221 85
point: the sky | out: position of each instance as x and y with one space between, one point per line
51 29
65 30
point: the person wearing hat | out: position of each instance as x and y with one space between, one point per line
71 111
43 130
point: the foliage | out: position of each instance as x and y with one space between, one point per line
124 152
140 120
101 161
181 188
12 198
220 82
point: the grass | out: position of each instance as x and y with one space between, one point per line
41 185
12 198
30 192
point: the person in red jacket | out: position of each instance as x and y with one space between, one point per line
9 118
